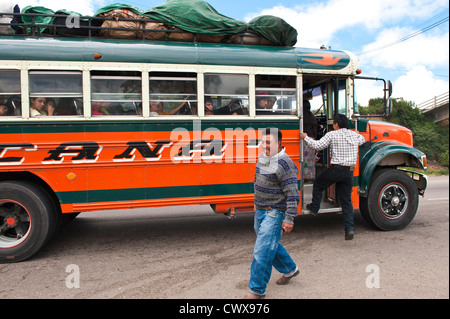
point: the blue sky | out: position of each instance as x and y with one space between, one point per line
405 41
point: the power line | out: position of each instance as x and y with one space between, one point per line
443 13
427 28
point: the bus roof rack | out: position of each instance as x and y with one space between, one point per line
114 26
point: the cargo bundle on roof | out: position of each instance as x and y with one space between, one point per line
6 19
174 20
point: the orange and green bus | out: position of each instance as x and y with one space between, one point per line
100 124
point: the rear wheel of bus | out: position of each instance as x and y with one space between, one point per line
392 201
27 220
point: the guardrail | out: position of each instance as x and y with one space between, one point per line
433 103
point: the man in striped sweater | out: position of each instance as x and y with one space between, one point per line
276 201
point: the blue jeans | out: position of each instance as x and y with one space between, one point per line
268 251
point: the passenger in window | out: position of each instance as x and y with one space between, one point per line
37 106
155 108
50 107
271 102
179 107
66 107
209 106
114 109
262 103
3 110
100 108
158 107
232 108
187 108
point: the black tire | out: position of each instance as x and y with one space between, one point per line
27 220
392 200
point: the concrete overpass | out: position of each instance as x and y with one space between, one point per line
438 106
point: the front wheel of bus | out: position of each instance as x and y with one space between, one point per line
392 201
27 220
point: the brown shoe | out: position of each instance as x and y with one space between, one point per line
251 295
285 280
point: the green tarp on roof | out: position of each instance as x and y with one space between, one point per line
43 19
195 16
38 19
72 13
274 29
198 16
118 6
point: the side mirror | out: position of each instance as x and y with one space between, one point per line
389 88
387 93
387 99
388 109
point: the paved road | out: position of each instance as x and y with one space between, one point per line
189 252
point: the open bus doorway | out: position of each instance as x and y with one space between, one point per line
325 96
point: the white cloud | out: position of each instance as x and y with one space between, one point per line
419 85
415 61
368 89
430 49
408 63
319 22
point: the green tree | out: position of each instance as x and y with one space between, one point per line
403 113
376 107
429 137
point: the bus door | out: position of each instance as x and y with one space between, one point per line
327 97
317 94
341 101
338 103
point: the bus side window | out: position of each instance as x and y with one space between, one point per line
52 93
173 93
10 102
228 94
116 93
276 95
